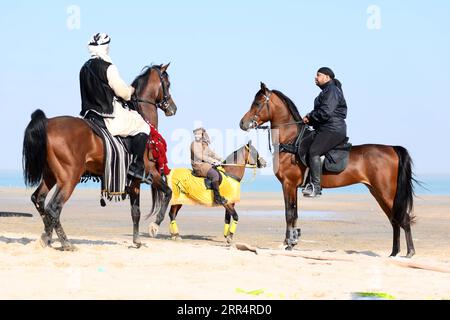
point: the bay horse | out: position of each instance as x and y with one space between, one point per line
233 166
59 151
385 170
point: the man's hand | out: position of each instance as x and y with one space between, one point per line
306 120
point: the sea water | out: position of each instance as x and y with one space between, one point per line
436 184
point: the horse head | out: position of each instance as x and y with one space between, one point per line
259 112
153 92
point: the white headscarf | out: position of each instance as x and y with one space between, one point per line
99 46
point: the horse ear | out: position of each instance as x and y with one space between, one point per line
164 68
249 143
263 87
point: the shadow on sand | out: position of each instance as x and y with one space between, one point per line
15 215
27 241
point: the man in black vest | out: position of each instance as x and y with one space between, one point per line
328 120
101 87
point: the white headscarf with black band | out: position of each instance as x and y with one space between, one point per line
99 46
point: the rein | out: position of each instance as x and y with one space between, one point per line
164 104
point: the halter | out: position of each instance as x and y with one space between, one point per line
164 103
254 122
260 107
246 163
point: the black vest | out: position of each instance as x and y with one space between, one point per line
96 94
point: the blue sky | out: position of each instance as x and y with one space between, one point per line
395 78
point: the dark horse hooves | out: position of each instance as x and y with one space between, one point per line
68 247
45 241
410 254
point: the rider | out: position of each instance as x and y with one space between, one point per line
203 159
328 120
101 90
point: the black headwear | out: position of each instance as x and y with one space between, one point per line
327 71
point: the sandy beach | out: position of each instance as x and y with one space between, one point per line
345 242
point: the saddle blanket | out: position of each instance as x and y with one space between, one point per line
188 189
117 161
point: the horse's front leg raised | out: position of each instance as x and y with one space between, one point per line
135 199
290 201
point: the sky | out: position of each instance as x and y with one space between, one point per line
391 56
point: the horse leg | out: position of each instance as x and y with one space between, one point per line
135 200
54 209
386 206
38 199
226 229
173 227
230 225
290 202
409 240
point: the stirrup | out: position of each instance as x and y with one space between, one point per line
311 191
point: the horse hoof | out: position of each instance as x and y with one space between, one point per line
138 245
229 240
176 237
410 254
289 248
45 241
153 230
68 247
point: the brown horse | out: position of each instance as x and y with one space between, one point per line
59 151
234 166
385 170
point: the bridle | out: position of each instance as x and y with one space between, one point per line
260 108
164 104
247 163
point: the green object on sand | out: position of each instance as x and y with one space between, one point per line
252 292
375 295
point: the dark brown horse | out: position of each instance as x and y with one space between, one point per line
234 166
59 151
385 170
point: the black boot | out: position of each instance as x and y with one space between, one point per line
218 199
313 189
137 168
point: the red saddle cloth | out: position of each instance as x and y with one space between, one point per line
158 146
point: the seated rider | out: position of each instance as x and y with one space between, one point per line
203 159
328 120
101 90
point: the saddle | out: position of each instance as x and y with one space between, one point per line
336 160
99 123
208 182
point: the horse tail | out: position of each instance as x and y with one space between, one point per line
161 198
34 153
156 202
403 202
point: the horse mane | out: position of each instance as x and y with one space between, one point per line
231 159
287 101
141 80
290 104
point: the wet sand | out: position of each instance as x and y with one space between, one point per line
343 249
